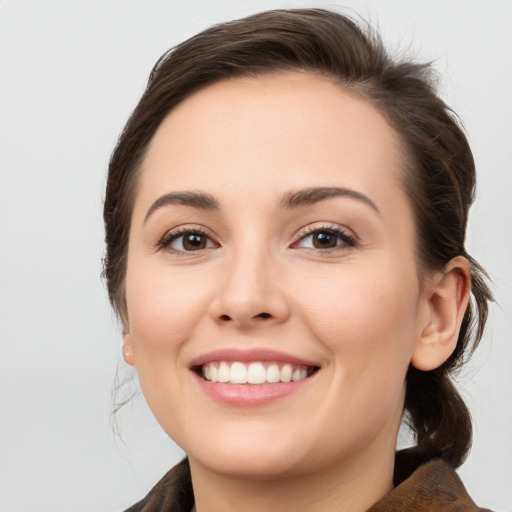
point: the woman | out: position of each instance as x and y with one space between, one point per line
285 220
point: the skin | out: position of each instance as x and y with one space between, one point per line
360 312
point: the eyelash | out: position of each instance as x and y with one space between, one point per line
340 234
175 234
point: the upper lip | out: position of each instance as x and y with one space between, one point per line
249 355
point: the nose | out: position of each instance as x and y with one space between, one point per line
250 293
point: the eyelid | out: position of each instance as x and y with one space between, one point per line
346 235
172 234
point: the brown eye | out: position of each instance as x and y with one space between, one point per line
326 238
188 241
193 242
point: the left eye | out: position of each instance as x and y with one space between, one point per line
189 241
325 239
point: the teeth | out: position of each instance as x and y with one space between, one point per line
296 375
286 373
252 373
256 374
223 373
273 373
238 373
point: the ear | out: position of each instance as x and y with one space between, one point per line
447 299
128 354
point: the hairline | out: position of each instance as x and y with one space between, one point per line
404 174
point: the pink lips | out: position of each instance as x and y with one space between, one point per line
250 355
249 395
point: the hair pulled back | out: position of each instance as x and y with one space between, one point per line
439 174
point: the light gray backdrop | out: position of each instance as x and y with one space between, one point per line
70 73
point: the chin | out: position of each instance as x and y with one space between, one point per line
261 455
254 466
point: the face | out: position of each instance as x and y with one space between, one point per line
271 242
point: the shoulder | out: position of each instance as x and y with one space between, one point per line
173 493
433 487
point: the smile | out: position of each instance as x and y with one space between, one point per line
257 372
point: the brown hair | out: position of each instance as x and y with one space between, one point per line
440 174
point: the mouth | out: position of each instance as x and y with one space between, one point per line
254 372
252 378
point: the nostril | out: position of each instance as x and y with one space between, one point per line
227 318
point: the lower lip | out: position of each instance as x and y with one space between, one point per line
250 395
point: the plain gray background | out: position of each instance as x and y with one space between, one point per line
70 73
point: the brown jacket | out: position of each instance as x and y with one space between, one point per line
433 487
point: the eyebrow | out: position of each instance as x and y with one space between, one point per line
195 199
312 195
294 199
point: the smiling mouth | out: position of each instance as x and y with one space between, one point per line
237 372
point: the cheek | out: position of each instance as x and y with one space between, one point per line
363 315
163 308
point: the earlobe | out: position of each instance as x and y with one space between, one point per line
447 296
128 354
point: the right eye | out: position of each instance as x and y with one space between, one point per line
187 241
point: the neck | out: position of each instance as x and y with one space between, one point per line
352 486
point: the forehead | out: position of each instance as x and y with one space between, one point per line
270 133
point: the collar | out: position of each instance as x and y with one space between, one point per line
433 487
